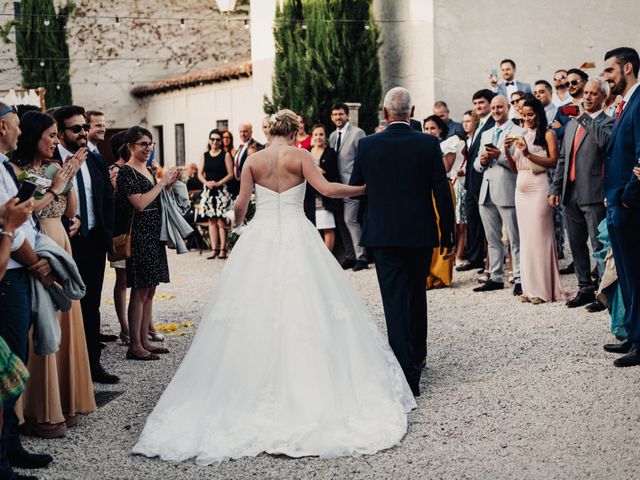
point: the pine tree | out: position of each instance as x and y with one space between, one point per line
42 50
327 51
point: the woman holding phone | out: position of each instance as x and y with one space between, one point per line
60 385
529 157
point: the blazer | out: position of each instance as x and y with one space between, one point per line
523 87
103 202
348 150
234 185
473 179
402 169
328 163
589 159
623 151
455 128
498 180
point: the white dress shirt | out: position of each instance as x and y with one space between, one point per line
342 132
92 147
483 120
88 189
27 231
550 111
627 97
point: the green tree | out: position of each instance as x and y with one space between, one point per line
327 51
42 50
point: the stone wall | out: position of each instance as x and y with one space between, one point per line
109 58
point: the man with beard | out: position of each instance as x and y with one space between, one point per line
90 245
622 194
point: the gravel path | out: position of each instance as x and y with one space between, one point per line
511 390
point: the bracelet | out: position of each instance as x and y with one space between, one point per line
4 233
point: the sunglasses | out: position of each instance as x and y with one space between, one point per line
78 128
559 78
215 139
11 109
146 145
515 100
574 82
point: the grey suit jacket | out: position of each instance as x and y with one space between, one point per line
498 179
348 150
589 159
523 87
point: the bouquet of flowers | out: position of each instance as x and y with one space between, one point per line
234 235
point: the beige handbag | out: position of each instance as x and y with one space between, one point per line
534 167
121 245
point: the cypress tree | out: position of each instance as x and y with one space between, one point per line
335 58
42 50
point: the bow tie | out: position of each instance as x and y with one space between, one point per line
510 83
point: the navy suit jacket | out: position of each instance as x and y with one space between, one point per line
620 185
402 169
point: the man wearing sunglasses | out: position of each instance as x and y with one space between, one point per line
91 243
15 297
561 95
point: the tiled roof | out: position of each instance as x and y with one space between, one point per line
220 73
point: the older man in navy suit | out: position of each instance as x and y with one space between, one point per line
403 168
622 194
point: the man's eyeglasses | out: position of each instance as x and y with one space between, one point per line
78 128
215 139
11 109
146 145
573 83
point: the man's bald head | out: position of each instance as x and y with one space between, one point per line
500 109
246 131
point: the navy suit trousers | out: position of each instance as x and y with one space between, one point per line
622 224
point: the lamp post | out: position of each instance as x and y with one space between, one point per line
226 6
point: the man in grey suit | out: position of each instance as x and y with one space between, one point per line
344 140
577 182
498 196
510 84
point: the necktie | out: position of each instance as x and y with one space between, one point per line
496 137
620 107
339 141
509 84
82 197
7 165
236 162
576 143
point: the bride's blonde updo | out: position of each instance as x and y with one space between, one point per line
283 123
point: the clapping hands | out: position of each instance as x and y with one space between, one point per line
14 214
170 177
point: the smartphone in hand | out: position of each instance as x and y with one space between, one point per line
26 191
570 110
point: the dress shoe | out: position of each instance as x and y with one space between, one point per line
360 265
348 263
629 360
489 286
517 290
22 459
415 389
582 298
623 347
596 306
107 338
465 267
568 270
100 375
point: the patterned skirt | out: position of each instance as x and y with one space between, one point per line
215 203
13 373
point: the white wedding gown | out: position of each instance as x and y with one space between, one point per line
286 359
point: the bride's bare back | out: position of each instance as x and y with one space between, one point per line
277 167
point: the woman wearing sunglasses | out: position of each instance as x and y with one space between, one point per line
215 170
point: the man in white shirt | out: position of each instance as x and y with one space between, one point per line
510 84
15 297
97 129
542 91
344 140
245 133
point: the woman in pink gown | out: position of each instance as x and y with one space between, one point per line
530 156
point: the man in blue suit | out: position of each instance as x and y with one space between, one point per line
403 168
622 194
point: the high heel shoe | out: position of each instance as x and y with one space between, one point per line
214 254
223 254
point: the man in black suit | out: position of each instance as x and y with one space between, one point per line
246 143
473 182
93 240
402 229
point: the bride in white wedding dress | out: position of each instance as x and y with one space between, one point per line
286 359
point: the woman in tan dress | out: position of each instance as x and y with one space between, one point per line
60 385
